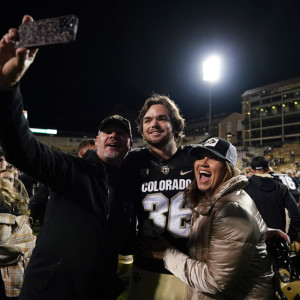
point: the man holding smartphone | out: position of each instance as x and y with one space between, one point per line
87 218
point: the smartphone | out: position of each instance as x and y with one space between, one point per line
47 31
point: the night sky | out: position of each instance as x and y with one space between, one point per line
126 50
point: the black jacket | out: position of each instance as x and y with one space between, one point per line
271 198
38 203
85 223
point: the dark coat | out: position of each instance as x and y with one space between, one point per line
271 198
85 223
38 203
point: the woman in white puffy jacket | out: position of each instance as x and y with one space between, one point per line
227 251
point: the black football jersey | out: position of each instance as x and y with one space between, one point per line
159 187
289 182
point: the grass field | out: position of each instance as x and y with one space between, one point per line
123 296
124 275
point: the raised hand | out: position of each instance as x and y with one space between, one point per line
14 62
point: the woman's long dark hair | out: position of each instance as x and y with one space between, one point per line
192 194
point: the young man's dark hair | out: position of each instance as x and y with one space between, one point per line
259 163
176 119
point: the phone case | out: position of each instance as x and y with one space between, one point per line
47 31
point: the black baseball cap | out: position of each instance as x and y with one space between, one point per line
117 119
217 146
259 163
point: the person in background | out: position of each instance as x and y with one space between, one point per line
15 231
11 176
38 204
8 176
29 182
18 184
295 191
272 197
84 146
227 256
3 162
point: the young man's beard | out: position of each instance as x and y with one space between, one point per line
160 143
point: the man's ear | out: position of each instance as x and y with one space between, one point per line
81 153
96 139
131 144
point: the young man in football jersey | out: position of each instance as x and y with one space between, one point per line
162 171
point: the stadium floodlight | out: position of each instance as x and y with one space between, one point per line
211 74
212 69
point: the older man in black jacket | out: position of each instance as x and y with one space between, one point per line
86 219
